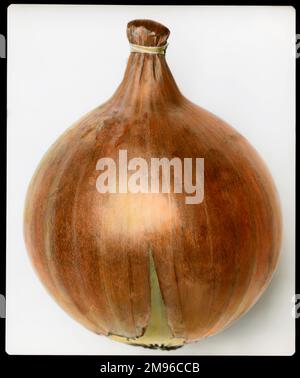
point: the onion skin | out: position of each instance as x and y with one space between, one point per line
213 260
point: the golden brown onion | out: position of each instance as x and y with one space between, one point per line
151 269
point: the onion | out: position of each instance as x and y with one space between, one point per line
149 268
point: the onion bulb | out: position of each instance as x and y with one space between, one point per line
152 267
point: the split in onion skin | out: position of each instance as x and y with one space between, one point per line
148 269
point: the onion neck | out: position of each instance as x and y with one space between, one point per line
147 84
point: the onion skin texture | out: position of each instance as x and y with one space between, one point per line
213 260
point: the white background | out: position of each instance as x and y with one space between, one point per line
238 62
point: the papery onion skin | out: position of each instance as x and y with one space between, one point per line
213 260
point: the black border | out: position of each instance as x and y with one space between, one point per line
90 365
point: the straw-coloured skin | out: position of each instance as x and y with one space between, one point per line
96 253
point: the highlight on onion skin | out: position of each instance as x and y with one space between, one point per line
148 269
